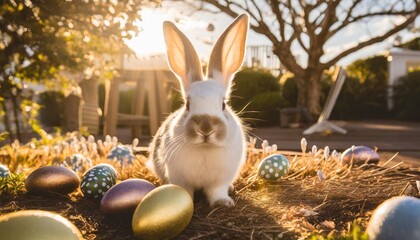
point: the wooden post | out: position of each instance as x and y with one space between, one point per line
162 83
71 113
138 105
90 115
111 106
152 101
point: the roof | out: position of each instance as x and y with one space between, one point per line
403 52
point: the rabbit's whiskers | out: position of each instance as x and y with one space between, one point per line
173 145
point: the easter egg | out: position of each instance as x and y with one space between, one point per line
98 180
273 167
163 213
4 171
52 179
396 218
37 225
122 154
109 168
360 155
77 162
125 196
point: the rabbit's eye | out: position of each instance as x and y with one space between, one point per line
187 105
223 105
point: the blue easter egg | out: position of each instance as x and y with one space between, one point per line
77 162
122 154
396 218
273 167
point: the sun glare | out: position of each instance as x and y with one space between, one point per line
150 40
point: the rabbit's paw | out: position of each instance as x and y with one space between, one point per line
231 189
223 202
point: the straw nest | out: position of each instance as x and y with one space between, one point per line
318 196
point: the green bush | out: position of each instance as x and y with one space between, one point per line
263 109
289 91
364 93
248 83
256 95
407 97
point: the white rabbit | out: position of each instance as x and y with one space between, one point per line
202 145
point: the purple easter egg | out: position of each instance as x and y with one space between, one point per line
125 196
360 155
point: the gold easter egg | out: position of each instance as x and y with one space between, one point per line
163 213
37 225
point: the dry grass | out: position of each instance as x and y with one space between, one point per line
294 207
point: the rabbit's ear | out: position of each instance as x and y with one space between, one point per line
228 53
182 57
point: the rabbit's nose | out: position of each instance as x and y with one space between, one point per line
206 126
205 135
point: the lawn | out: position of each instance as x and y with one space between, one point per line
297 206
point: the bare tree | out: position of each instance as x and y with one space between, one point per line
310 25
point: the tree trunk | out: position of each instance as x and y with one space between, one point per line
16 110
6 119
309 91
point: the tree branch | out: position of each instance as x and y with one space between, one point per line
360 17
372 40
260 28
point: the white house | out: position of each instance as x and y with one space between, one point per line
401 61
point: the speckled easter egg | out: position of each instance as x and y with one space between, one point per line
4 171
125 196
360 155
273 167
77 162
97 181
396 218
122 154
37 225
52 179
163 213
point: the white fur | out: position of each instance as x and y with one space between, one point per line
192 163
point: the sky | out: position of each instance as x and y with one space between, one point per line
150 39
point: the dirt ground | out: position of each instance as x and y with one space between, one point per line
287 209
294 207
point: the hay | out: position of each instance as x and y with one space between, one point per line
319 195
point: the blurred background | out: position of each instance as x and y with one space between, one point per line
99 67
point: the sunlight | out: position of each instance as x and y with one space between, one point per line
150 39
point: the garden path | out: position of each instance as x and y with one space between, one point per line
389 136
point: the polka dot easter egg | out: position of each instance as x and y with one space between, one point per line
77 163
4 171
122 154
273 167
98 180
